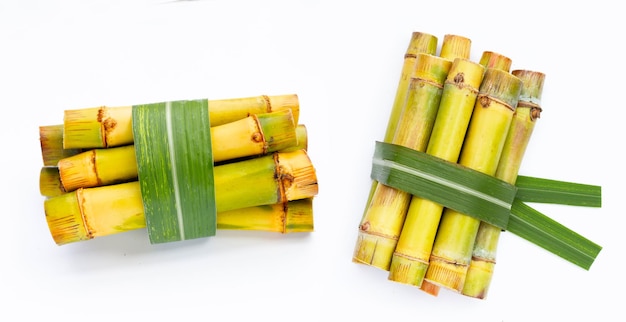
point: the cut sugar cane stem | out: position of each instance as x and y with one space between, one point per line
410 259
420 43
486 134
251 136
453 47
91 212
288 217
382 222
50 180
96 212
103 127
526 114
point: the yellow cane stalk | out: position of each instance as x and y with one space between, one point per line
250 136
527 112
288 217
95 212
421 43
104 127
91 212
382 222
410 259
486 134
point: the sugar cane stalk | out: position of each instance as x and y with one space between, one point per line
90 212
382 222
251 136
410 259
486 134
526 114
104 127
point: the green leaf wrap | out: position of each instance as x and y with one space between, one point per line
175 169
456 187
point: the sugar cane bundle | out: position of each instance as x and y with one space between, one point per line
181 169
459 188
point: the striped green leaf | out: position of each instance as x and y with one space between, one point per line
456 187
540 190
543 231
175 169
491 200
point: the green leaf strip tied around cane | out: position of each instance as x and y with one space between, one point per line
175 169
490 199
456 187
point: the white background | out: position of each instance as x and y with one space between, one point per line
343 59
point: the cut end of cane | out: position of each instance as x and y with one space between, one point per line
430 288
51 141
446 274
406 270
532 87
297 175
65 220
78 171
279 130
455 46
283 102
83 129
50 182
374 250
299 216
478 279
491 59
422 43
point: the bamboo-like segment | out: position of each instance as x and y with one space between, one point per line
104 127
251 136
382 222
95 212
486 134
490 59
91 212
527 112
420 43
455 46
290 217
410 259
